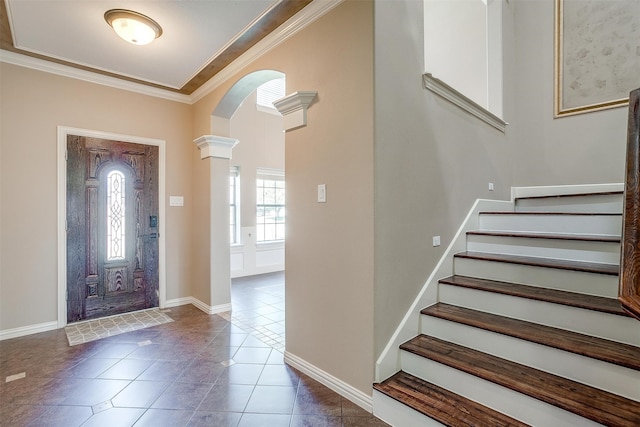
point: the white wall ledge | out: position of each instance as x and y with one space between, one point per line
442 89
294 108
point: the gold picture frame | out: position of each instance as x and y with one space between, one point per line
597 54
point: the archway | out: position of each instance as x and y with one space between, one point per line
217 149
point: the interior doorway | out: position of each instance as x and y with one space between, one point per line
112 226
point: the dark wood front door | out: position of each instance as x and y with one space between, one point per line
112 227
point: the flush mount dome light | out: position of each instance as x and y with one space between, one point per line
132 26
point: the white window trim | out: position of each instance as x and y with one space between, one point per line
235 170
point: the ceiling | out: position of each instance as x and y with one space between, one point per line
200 37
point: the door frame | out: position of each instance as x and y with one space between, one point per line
63 132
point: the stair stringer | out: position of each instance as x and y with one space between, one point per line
388 362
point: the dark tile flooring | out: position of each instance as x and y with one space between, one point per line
199 370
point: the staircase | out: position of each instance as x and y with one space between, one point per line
528 330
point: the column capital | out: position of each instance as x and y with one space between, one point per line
294 108
215 146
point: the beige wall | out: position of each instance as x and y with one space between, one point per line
32 105
432 161
583 149
329 247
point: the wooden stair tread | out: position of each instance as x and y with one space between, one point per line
561 196
440 404
573 299
597 348
588 402
550 236
588 267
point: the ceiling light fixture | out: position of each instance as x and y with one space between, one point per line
132 26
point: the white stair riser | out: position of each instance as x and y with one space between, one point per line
397 414
575 281
502 399
589 322
603 252
595 204
596 373
571 224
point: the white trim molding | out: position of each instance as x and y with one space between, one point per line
294 108
215 146
442 89
28 330
347 391
558 190
198 304
89 76
309 14
63 131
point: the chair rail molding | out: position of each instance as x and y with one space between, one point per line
294 108
215 146
442 89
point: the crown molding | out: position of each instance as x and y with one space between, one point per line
302 19
88 76
306 16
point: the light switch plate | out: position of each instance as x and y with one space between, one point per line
176 201
322 193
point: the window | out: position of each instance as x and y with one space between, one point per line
269 92
115 216
270 205
234 212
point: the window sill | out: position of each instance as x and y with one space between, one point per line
439 87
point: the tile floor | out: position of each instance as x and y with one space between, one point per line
199 370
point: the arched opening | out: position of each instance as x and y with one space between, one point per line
256 199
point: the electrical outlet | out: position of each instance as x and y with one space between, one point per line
491 186
436 241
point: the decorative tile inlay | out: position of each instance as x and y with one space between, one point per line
91 330
15 377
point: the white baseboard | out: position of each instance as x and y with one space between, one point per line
198 304
558 190
28 330
345 390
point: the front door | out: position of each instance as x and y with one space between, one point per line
112 227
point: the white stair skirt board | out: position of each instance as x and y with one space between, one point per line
389 361
577 250
397 414
596 373
589 322
575 281
502 399
593 204
343 389
571 224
